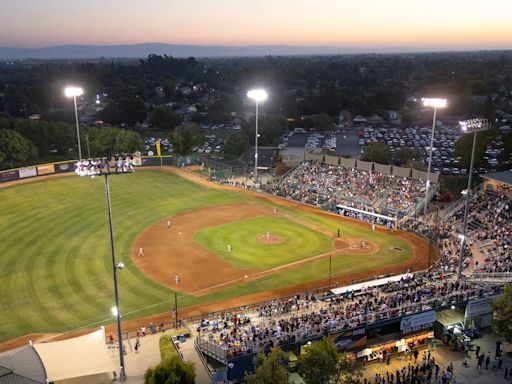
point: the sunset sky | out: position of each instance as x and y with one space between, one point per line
438 24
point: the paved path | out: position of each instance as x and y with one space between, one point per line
190 354
443 356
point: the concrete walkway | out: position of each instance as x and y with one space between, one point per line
191 355
137 363
149 356
443 357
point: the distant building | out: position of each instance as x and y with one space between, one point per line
359 120
375 120
394 117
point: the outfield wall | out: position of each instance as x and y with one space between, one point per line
68 166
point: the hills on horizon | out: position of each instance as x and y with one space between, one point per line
181 50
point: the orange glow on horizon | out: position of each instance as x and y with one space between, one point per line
340 23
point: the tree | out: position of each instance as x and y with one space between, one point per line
378 152
406 154
464 145
270 127
270 369
108 141
164 118
489 108
184 137
236 144
415 164
132 110
15 101
502 322
14 147
323 122
323 363
171 371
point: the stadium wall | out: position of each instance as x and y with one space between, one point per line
68 166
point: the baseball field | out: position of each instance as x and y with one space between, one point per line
228 247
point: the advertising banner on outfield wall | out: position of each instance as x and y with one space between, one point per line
27 172
8 176
45 169
68 166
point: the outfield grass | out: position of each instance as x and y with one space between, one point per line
298 242
55 265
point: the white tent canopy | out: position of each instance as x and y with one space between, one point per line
78 357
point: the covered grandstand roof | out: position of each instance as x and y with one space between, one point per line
504 177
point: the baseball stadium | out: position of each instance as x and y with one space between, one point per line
56 262
191 252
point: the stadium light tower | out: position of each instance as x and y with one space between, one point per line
258 95
433 103
469 126
74 92
104 167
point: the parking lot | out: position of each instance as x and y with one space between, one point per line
343 143
351 142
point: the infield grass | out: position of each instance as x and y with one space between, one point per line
55 263
297 242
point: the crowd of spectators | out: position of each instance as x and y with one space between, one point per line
426 371
327 185
490 225
306 318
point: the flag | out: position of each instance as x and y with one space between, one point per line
158 152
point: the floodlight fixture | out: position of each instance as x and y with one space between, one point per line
434 102
73 91
116 165
474 125
469 126
257 95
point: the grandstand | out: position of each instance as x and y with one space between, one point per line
329 185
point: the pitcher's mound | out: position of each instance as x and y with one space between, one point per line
340 244
269 239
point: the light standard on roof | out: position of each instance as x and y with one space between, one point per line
469 126
104 167
434 103
258 95
74 92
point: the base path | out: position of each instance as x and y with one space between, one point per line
173 251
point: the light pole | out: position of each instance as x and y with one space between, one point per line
74 92
104 167
469 126
258 95
434 103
